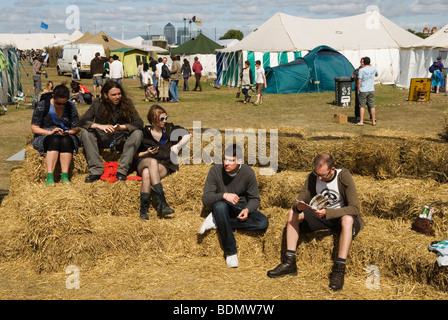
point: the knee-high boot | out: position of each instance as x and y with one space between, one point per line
144 205
162 206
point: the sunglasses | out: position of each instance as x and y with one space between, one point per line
163 119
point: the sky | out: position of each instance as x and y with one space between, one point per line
126 19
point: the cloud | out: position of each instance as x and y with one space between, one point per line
248 11
113 16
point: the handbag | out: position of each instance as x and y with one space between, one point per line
110 171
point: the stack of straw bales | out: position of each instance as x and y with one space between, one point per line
82 224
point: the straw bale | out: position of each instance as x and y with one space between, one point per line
90 224
382 155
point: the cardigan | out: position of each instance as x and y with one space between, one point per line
348 193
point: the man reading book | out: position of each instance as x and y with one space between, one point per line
341 215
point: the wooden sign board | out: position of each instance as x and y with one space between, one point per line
419 84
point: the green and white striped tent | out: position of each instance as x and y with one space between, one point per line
10 83
230 64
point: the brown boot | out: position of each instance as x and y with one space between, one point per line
337 276
287 267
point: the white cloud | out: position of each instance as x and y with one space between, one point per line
133 15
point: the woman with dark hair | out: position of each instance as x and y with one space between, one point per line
81 93
146 78
247 81
55 124
161 143
437 80
111 120
186 72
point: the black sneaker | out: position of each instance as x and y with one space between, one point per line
337 276
121 177
287 267
92 178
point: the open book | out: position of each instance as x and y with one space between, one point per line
318 202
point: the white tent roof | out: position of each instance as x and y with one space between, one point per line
437 40
134 42
283 32
37 40
227 42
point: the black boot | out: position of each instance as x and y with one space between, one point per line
287 267
144 205
162 206
337 276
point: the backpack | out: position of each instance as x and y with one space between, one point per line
165 72
431 68
110 171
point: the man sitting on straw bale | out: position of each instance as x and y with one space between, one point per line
231 189
111 120
341 214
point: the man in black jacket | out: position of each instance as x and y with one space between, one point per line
111 120
96 70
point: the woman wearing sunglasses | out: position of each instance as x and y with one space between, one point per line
161 143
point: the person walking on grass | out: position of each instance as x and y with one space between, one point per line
97 69
247 81
197 69
260 81
366 91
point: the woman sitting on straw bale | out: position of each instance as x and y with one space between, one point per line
55 124
160 145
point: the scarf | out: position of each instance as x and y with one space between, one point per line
57 122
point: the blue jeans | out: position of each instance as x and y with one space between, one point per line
246 93
154 81
174 90
225 215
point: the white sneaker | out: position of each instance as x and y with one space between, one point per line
208 224
232 261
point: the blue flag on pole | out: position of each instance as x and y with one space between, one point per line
43 25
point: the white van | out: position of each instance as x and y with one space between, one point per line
85 53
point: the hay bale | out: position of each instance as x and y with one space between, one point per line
87 224
385 155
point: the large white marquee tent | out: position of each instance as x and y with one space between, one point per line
28 41
416 59
284 38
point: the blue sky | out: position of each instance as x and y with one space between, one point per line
130 18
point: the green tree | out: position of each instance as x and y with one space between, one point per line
233 34
419 34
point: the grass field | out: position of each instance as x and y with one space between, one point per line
204 276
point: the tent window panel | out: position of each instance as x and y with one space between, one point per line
138 58
443 54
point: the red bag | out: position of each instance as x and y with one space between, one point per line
110 171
